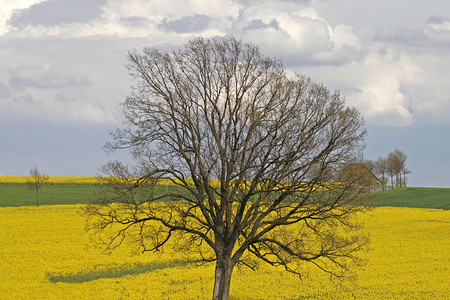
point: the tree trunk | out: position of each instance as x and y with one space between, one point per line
37 197
222 279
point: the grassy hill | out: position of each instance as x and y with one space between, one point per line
18 194
414 197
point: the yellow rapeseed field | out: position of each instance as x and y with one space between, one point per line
52 179
43 245
72 179
88 179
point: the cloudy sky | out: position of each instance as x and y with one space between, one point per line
63 70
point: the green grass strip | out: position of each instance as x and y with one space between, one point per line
18 194
117 272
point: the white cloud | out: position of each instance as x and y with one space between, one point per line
393 88
297 33
382 98
431 95
379 85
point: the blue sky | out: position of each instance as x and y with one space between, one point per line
63 70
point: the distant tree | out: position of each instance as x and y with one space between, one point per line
381 170
405 172
248 149
396 163
36 181
391 159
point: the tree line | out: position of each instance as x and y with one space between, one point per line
390 169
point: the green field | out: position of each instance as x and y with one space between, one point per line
18 194
414 197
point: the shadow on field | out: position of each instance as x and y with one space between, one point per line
115 272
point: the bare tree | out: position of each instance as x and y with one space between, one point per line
247 148
36 181
402 170
381 169
396 164
405 171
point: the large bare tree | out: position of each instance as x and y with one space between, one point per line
252 153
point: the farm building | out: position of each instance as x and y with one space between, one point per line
359 173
